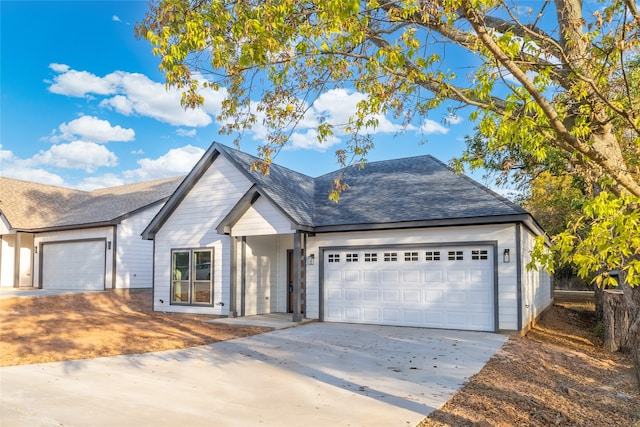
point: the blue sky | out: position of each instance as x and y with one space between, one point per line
83 105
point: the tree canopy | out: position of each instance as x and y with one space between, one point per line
547 82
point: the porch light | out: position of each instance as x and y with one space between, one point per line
310 259
506 257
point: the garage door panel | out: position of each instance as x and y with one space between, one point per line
352 314
442 288
352 295
411 276
369 295
74 265
413 317
411 296
389 295
371 314
391 315
392 276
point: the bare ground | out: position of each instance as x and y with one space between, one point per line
557 375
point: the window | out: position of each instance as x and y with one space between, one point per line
432 256
352 258
390 256
372 257
455 256
334 257
479 255
411 256
191 280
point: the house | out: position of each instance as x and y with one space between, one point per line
410 243
59 238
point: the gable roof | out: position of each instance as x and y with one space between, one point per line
413 191
29 206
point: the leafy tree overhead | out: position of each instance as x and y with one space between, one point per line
547 82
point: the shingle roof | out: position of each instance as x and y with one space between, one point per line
33 206
410 189
292 191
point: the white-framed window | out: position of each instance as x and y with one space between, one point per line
351 257
191 276
432 256
371 257
479 254
411 256
334 258
390 256
456 255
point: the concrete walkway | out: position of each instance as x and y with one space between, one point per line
6 292
319 374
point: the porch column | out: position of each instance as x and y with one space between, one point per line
299 273
16 260
243 275
233 278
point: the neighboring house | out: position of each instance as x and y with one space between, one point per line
59 238
410 243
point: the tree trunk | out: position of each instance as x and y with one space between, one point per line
621 309
616 320
598 293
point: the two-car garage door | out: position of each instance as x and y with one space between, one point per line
74 265
438 287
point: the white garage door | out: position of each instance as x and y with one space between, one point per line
436 287
74 265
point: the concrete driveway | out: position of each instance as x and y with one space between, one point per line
319 374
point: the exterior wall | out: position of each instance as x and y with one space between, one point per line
503 234
134 256
70 235
5 228
261 219
193 225
536 285
7 260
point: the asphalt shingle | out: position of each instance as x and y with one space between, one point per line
33 206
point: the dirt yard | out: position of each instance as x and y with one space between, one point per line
555 376
84 326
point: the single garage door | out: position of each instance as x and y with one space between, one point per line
74 265
436 287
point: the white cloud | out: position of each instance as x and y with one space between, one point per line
87 156
309 141
78 83
101 181
185 132
90 128
59 68
140 151
120 103
134 93
116 18
429 127
80 155
177 161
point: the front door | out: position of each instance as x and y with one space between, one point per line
290 278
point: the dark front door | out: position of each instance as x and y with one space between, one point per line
290 278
